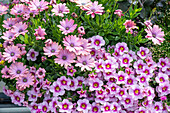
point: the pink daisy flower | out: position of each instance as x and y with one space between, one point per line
82 3
56 89
37 5
72 43
97 42
83 105
11 53
22 48
3 9
95 84
25 81
129 25
65 106
148 23
94 9
86 47
65 58
119 13
17 69
19 29
60 9
67 26
40 32
71 70
9 23
31 55
85 62
52 49
8 36
155 34
18 9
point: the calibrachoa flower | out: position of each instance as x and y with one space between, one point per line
60 9
136 92
63 82
11 53
31 55
162 78
143 52
125 60
122 48
81 30
94 9
130 25
155 34
97 42
56 89
67 26
95 108
119 13
44 107
17 98
107 107
37 5
40 32
40 73
127 101
65 106
70 71
83 105
163 63
65 58
95 84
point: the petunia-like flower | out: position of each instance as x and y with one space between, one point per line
116 107
65 58
83 105
19 29
95 8
143 52
138 65
9 23
163 89
37 5
143 79
18 9
113 88
72 43
40 73
3 9
95 84
149 92
54 104
73 84
155 34
52 49
119 12
125 60
70 71
56 89
122 92
95 108
33 95
33 107
163 63
81 81
65 106
81 30
162 78
148 71
5 72
40 32
127 101
157 107
136 92
97 41
17 98
107 107
44 107
17 69
130 81
60 9
8 36
32 54
141 110
11 53
63 82
122 48
82 93
121 77
25 81
67 26
85 62
129 25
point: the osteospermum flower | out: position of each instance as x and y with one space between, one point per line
40 32
19 29
129 25
18 9
65 58
83 105
155 34
86 47
67 26
97 42
95 84
52 49
11 53
17 98
9 23
8 36
25 80
60 9
94 9
17 69
70 71
85 62
143 52
82 3
65 106
22 48
3 9
37 5
148 23
72 43
119 13
31 55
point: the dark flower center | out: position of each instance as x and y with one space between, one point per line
60 11
19 11
84 62
64 57
72 45
18 71
20 30
52 51
10 25
93 10
12 53
40 73
25 80
10 37
32 54
67 28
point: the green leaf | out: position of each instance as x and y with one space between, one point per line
106 41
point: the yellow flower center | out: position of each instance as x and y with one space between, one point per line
65 106
97 42
137 91
142 53
83 105
57 88
121 78
125 60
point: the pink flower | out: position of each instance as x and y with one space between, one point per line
9 23
18 9
60 9
94 9
82 93
44 107
37 5
143 52
162 78
3 9
65 58
11 53
40 33
95 108
157 107
17 98
19 29
122 48
127 101
63 82
97 42
136 92
95 84
107 107
22 48
82 3
40 73
5 72
83 105
163 63
81 30
70 71
67 26
129 25
121 76
155 34
65 106
143 79
72 43
85 62
163 98
31 55
148 23
119 13
86 47
73 84
8 36
56 89
25 80
125 60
